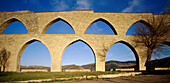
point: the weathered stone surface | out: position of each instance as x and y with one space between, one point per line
34 70
38 23
76 70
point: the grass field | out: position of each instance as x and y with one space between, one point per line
21 76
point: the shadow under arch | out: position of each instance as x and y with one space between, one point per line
105 21
139 21
22 50
133 50
75 42
52 22
8 22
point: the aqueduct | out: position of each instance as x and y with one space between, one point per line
37 23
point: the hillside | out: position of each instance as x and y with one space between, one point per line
165 62
109 65
71 67
89 66
117 64
34 67
112 65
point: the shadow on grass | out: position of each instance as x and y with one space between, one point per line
156 72
22 76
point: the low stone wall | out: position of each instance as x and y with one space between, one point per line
162 68
126 69
34 70
76 70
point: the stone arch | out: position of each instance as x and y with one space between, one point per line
22 50
56 20
8 22
133 50
105 21
140 21
75 42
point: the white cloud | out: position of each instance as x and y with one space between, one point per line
85 48
109 56
132 4
95 28
59 5
64 4
83 5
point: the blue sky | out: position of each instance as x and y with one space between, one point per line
96 5
32 54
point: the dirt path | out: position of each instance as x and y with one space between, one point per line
130 79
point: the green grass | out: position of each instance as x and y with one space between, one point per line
21 76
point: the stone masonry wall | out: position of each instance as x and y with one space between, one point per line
38 23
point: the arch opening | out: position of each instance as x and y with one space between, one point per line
13 26
78 56
34 56
160 57
138 27
121 57
59 26
101 26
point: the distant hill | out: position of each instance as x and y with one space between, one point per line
109 65
89 66
165 62
35 67
71 67
118 64
112 65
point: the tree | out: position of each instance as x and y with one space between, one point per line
4 57
153 34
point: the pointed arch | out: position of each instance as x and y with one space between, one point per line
54 21
133 50
140 21
105 21
8 22
75 42
22 50
144 22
